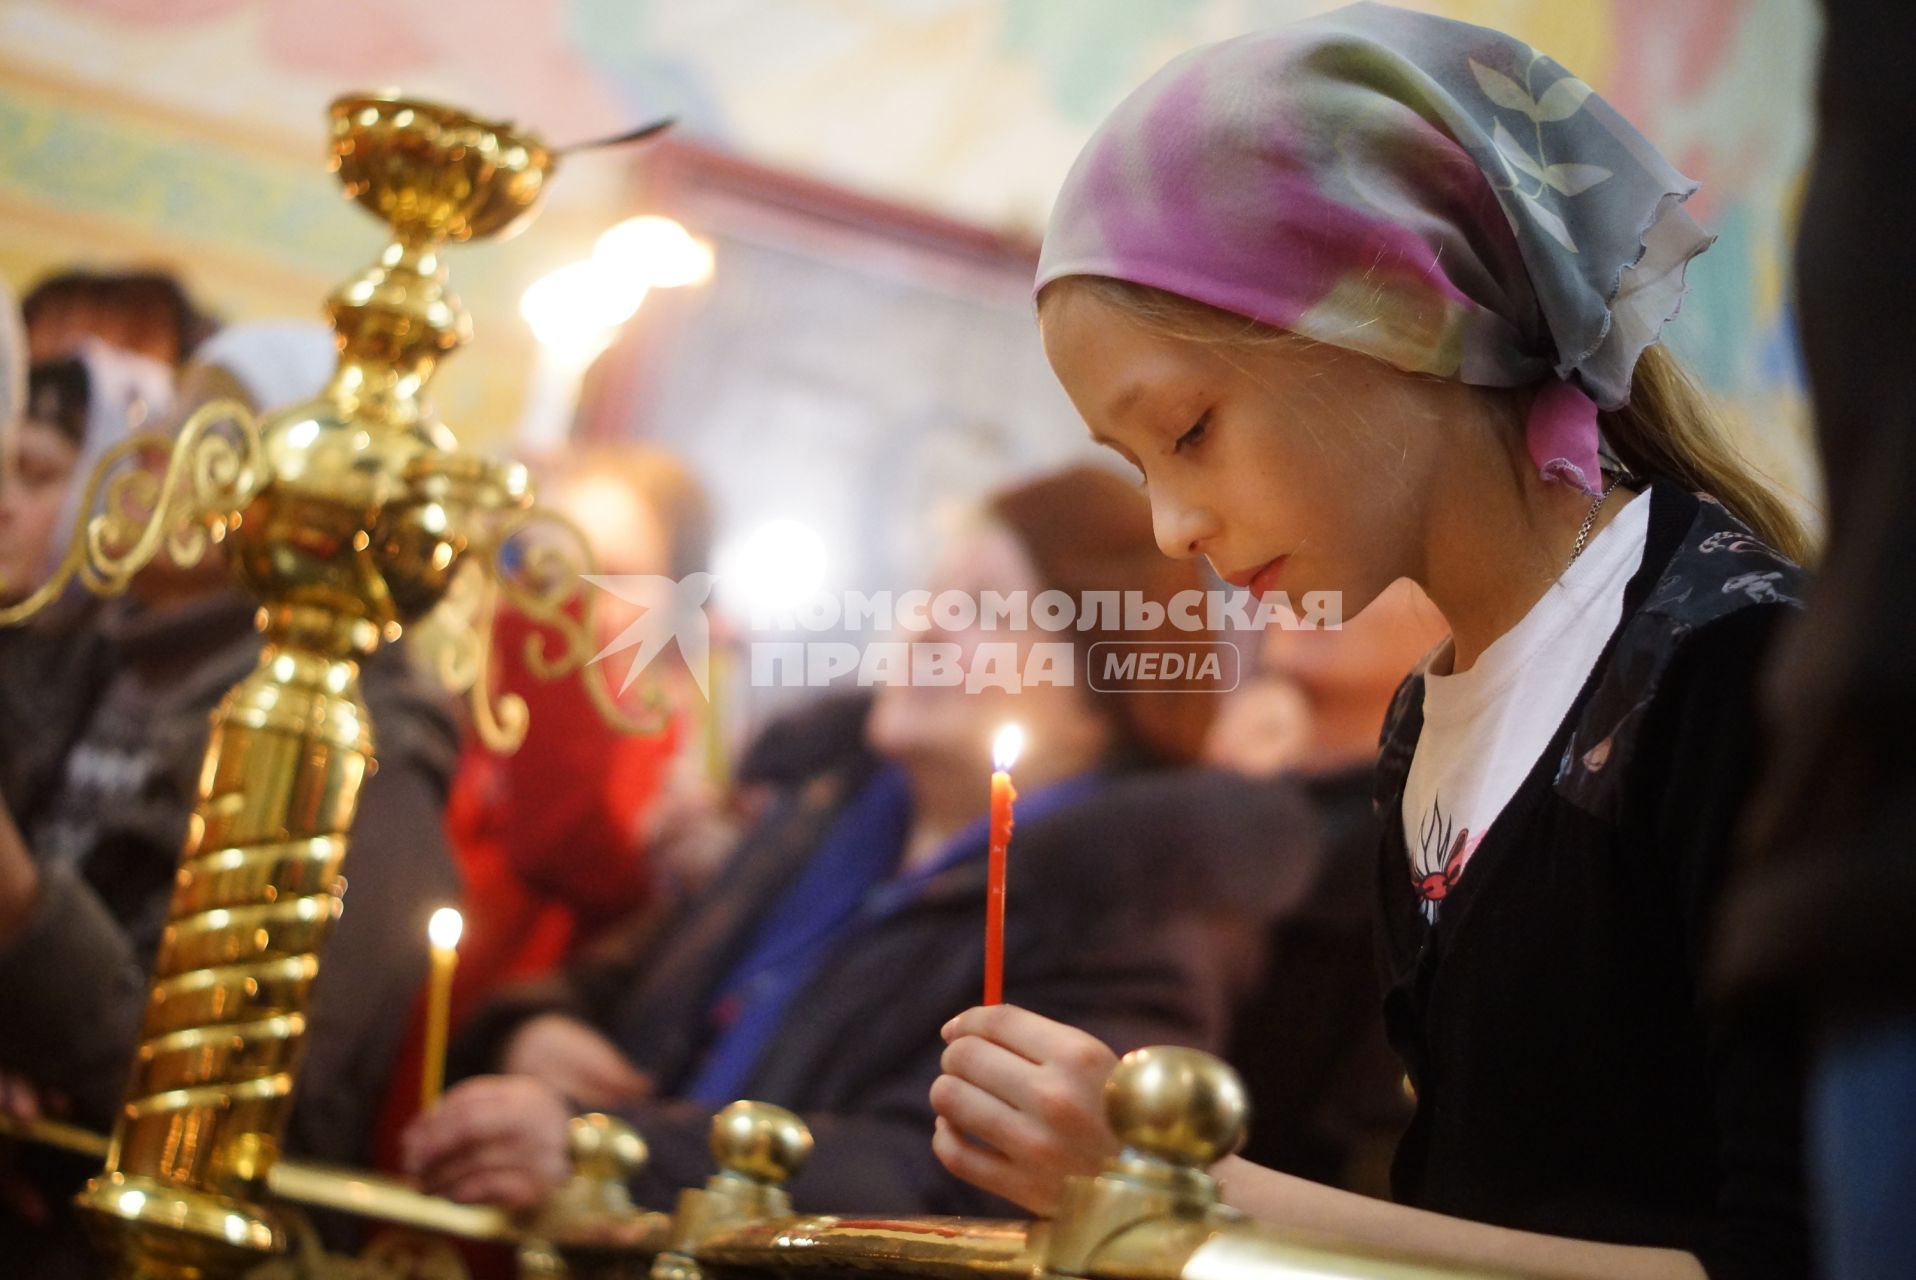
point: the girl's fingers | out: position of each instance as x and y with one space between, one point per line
1064 1050
972 1161
993 1068
987 1169
1024 1033
989 1121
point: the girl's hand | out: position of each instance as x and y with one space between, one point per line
1021 1104
495 1139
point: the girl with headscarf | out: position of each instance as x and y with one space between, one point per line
1376 296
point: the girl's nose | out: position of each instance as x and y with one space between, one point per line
1180 528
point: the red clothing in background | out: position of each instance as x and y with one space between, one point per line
548 839
547 842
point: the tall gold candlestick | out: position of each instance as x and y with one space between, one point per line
363 511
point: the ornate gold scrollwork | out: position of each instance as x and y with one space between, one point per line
538 560
215 465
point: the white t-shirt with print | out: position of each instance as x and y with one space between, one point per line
1484 728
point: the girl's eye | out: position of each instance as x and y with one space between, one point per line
1192 438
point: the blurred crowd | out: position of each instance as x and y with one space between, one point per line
659 924
654 927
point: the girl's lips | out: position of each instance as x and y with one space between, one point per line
1259 580
1266 578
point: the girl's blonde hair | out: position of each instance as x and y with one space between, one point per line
1669 428
1672 428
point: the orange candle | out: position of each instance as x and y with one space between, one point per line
1004 751
443 930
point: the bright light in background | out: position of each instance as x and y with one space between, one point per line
575 312
777 566
622 528
656 252
575 309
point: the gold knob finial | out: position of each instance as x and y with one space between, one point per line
1178 1105
605 1149
759 1141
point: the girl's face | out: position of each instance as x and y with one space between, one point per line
39 466
1290 467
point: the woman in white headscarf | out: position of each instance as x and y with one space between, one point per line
264 367
76 409
13 359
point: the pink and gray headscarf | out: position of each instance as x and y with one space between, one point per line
1431 193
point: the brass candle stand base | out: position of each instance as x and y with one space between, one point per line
1152 1214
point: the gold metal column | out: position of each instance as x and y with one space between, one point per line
362 514
257 894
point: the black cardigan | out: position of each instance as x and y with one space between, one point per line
1569 1078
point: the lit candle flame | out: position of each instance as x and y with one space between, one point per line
1006 746
444 928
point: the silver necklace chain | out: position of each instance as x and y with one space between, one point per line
1590 521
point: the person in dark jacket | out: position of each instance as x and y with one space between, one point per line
1352 329
1818 928
103 721
817 970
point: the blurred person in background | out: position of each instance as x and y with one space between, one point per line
1263 727
15 552
553 839
1816 932
103 722
817 969
147 313
77 409
13 376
